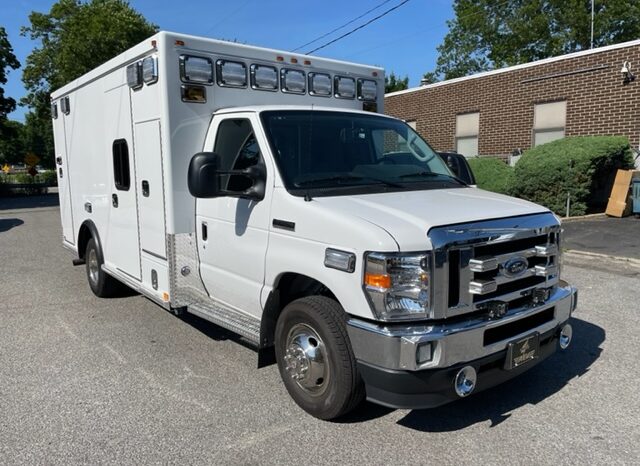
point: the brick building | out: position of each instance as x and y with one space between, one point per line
497 112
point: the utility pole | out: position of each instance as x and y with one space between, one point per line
592 2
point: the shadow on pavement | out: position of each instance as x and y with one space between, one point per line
497 403
214 331
28 202
7 224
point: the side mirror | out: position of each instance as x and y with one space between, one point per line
458 164
202 177
206 180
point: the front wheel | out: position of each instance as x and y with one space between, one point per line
315 358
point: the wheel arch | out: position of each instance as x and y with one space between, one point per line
288 287
87 231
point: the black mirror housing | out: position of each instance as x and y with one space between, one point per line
204 176
458 164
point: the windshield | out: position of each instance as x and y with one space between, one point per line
330 152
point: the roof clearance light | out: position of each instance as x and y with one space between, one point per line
292 81
367 90
150 70
231 73
345 88
264 78
320 84
196 69
134 75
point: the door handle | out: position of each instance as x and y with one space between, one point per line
114 200
145 188
205 231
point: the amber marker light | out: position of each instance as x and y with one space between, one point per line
180 43
165 297
279 58
307 62
377 280
294 60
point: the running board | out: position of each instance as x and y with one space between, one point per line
243 324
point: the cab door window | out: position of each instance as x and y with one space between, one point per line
238 149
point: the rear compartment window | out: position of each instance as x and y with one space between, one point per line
121 176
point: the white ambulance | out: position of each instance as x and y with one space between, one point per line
265 192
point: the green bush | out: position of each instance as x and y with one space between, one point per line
582 166
24 178
48 177
492 174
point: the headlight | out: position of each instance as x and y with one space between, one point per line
398 285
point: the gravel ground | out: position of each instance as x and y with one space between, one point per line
91 381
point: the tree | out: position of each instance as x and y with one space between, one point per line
488 34
393 83
12 147
8 61
75 37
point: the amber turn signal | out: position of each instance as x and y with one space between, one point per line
377 280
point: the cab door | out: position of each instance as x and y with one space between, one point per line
233 232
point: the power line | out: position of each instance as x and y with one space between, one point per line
225 18
421 31
341 27
359 27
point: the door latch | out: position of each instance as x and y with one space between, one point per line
145 188
114 200
205 231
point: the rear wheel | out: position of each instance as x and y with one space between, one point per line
315 358
102 284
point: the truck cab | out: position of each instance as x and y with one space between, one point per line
330 236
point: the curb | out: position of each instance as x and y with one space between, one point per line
582 217
595 255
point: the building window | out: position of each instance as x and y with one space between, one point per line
412 123
467 129
549 120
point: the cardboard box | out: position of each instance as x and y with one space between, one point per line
620 201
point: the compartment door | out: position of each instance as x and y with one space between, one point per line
64 181
122 248
150 188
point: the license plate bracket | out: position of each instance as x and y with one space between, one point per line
522 351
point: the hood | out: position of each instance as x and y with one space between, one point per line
409 215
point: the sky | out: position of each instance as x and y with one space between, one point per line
404 41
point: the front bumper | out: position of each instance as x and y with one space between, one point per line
387 354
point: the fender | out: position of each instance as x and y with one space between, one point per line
87 231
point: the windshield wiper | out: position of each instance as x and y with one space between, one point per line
431 175
340 178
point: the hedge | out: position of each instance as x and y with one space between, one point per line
583 166
492 174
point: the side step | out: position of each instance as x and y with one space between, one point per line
243 324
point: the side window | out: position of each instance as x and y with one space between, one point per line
121 175
237 147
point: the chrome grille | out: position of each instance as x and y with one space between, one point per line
500 261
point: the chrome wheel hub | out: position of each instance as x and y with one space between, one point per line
305 359
94 268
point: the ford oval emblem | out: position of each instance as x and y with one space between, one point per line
515 266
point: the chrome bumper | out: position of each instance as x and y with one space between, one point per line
395 346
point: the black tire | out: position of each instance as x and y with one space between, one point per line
320 323
102 284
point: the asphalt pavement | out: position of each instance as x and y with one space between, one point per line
618 237
92 381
